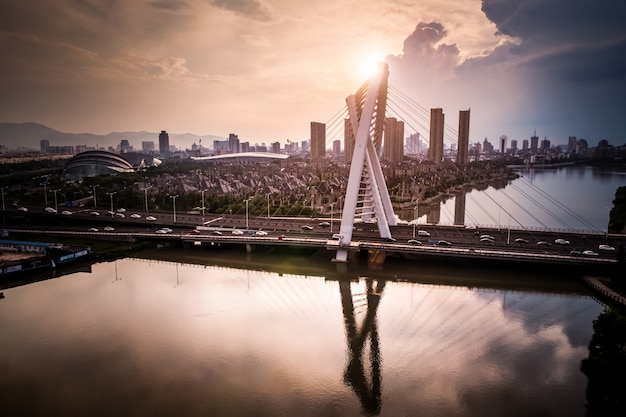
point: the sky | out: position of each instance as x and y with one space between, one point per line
264 69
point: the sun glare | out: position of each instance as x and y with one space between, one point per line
368 65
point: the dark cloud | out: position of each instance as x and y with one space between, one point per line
253 9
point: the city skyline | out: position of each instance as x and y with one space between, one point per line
266 69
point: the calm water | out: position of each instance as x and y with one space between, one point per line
279 334
577 198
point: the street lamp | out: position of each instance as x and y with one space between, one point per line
55 201
414 218
95 205
202 192
173 197
268 205
111 195
247 227
45 193
332 206
145 192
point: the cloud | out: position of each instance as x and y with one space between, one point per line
253 9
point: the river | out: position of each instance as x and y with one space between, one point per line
218 332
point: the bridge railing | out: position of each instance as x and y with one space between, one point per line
519 228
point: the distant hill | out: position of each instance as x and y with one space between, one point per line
28 135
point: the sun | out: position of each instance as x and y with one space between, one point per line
368 64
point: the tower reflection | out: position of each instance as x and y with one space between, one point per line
359 312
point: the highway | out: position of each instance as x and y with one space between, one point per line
465 242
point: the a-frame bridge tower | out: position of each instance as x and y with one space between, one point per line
367 197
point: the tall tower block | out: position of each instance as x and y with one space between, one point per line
464 123
435 150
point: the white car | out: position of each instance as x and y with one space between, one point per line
135 216
120 215
607 248
22 209
109 229
237 232
151 218
94 213
260 233
50 210
161 232
167 229
561 242
66 213
590 253
121 210
92 229
423 233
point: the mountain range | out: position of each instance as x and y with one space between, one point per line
28 136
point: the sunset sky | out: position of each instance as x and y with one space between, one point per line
264 69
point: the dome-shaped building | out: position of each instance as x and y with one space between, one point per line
92 163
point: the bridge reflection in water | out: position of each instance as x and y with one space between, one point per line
363 306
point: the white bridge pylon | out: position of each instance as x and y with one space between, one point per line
367 197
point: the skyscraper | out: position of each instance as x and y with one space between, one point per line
435 149
534 142
464 123
318 140
233 143
44 145
503 140
393 134
164 143
336 147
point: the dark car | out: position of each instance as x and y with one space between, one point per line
414 242
444 243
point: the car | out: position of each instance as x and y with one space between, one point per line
486 241
561 242
575 253
109 229
22 209
414 242
607 248
336 236
121 210
216 233
389 239
487 237
120 215
237 232
590 253
544 243
161 232
423 233
324 224
110 213
194 232
306 228
92 229
167 229
520 240
151 218
443 243
66 213
260 233
135 216
50 210
94 213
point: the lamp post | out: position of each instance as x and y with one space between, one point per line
247 227
55 202
3 207
173 197
145 192
414 218
95 204
332 206
111 195
202 192
268 205
45 193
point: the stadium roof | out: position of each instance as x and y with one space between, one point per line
254 155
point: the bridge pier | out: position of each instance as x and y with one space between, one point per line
248 248
376 257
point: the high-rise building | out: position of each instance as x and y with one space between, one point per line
275 147
164 143
525 145
435 150
147 146
571 144
514 145
393 136
534 142
318 140
44 144
464 123
233 143
348 140
336 147
503 140
124 146
545 144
